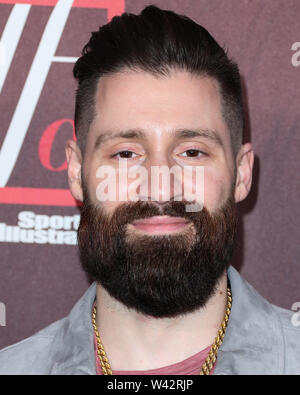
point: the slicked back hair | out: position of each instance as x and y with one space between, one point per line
156 41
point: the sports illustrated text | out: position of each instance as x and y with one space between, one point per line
35 228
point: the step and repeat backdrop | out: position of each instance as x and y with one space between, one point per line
40 274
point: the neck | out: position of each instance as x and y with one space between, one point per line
133 341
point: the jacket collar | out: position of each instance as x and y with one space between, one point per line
253 343
72 351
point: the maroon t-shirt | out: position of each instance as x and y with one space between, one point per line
190 366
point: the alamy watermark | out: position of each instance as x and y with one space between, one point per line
296 56
296 316
130 183
2 314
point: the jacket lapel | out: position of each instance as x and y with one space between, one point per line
72 351
253 343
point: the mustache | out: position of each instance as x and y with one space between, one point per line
130 211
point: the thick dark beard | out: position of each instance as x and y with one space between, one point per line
161 275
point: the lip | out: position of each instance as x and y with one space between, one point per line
160 224
160 219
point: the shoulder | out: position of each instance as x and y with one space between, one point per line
261 337
64 347
30 356
290 326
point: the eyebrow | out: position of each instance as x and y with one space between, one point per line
209 134
132 133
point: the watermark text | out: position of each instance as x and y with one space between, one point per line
296 316
2 314
131 183
296 56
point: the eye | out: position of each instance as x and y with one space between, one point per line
192 153
124 154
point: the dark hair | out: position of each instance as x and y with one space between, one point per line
156 41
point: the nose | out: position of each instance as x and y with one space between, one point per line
162 182
159 204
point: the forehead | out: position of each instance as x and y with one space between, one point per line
157 104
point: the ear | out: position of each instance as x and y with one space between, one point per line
244 165
74 160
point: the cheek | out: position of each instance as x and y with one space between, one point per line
109 188
101 192
216 191
211 186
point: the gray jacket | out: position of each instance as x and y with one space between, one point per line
260 339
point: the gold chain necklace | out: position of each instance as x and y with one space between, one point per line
206 367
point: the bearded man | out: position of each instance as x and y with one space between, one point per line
155 90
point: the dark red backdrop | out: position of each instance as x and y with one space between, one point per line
40 275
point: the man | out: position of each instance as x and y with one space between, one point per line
157 91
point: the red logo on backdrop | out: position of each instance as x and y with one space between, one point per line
35 81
